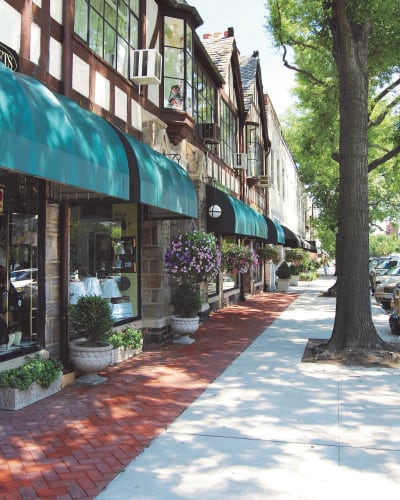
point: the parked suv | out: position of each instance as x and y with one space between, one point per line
381 269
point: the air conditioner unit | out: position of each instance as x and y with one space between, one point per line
210 133
240 161
263 181
146 67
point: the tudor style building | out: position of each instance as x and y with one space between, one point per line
120 127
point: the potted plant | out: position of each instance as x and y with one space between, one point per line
238 259
284 274
295 270
269 253
126 343
90 318
36 379
193 257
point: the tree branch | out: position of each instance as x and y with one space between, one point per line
307 74
379 119
383 159
385 92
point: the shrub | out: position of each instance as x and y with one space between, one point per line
41 371
186 300
91 317
283 271
128 338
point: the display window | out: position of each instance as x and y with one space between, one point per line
18 266
103 256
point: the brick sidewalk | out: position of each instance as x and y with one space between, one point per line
72 445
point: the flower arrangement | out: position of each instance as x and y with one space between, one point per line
238 258
270 253
194 256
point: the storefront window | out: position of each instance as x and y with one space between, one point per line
103 256
18 265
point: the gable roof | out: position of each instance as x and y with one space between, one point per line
220 50
248 72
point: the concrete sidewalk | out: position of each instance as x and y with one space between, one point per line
271 427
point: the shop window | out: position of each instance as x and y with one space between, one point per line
103 256
178 65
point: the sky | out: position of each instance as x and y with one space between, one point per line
248 20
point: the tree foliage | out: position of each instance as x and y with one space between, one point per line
346 59
313 131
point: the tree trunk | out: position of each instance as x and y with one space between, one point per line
353 325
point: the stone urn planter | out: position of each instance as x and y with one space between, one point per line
91 318
283 273
89 360
186 302
283 285
183 327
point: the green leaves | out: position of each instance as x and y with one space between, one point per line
41 371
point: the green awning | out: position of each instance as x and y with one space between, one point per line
276 234
158 181
236 217
49 136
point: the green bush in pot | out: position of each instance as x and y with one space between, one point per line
91 317
283 272
186 300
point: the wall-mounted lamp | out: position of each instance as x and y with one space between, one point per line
214 211
175 156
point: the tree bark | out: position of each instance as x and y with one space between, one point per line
353 325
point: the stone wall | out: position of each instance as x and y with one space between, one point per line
52 273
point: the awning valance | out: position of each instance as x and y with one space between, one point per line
236 217
276 234
47 135
158 181
292 240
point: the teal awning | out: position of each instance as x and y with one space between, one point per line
236 217
158 181
276 234
49 136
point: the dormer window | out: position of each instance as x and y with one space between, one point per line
178 65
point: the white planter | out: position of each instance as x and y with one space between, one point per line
283 285
90 360
183 327
15 399
294 280
123 353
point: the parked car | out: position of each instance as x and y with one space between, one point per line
390 273
381 269
394 319
384 291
